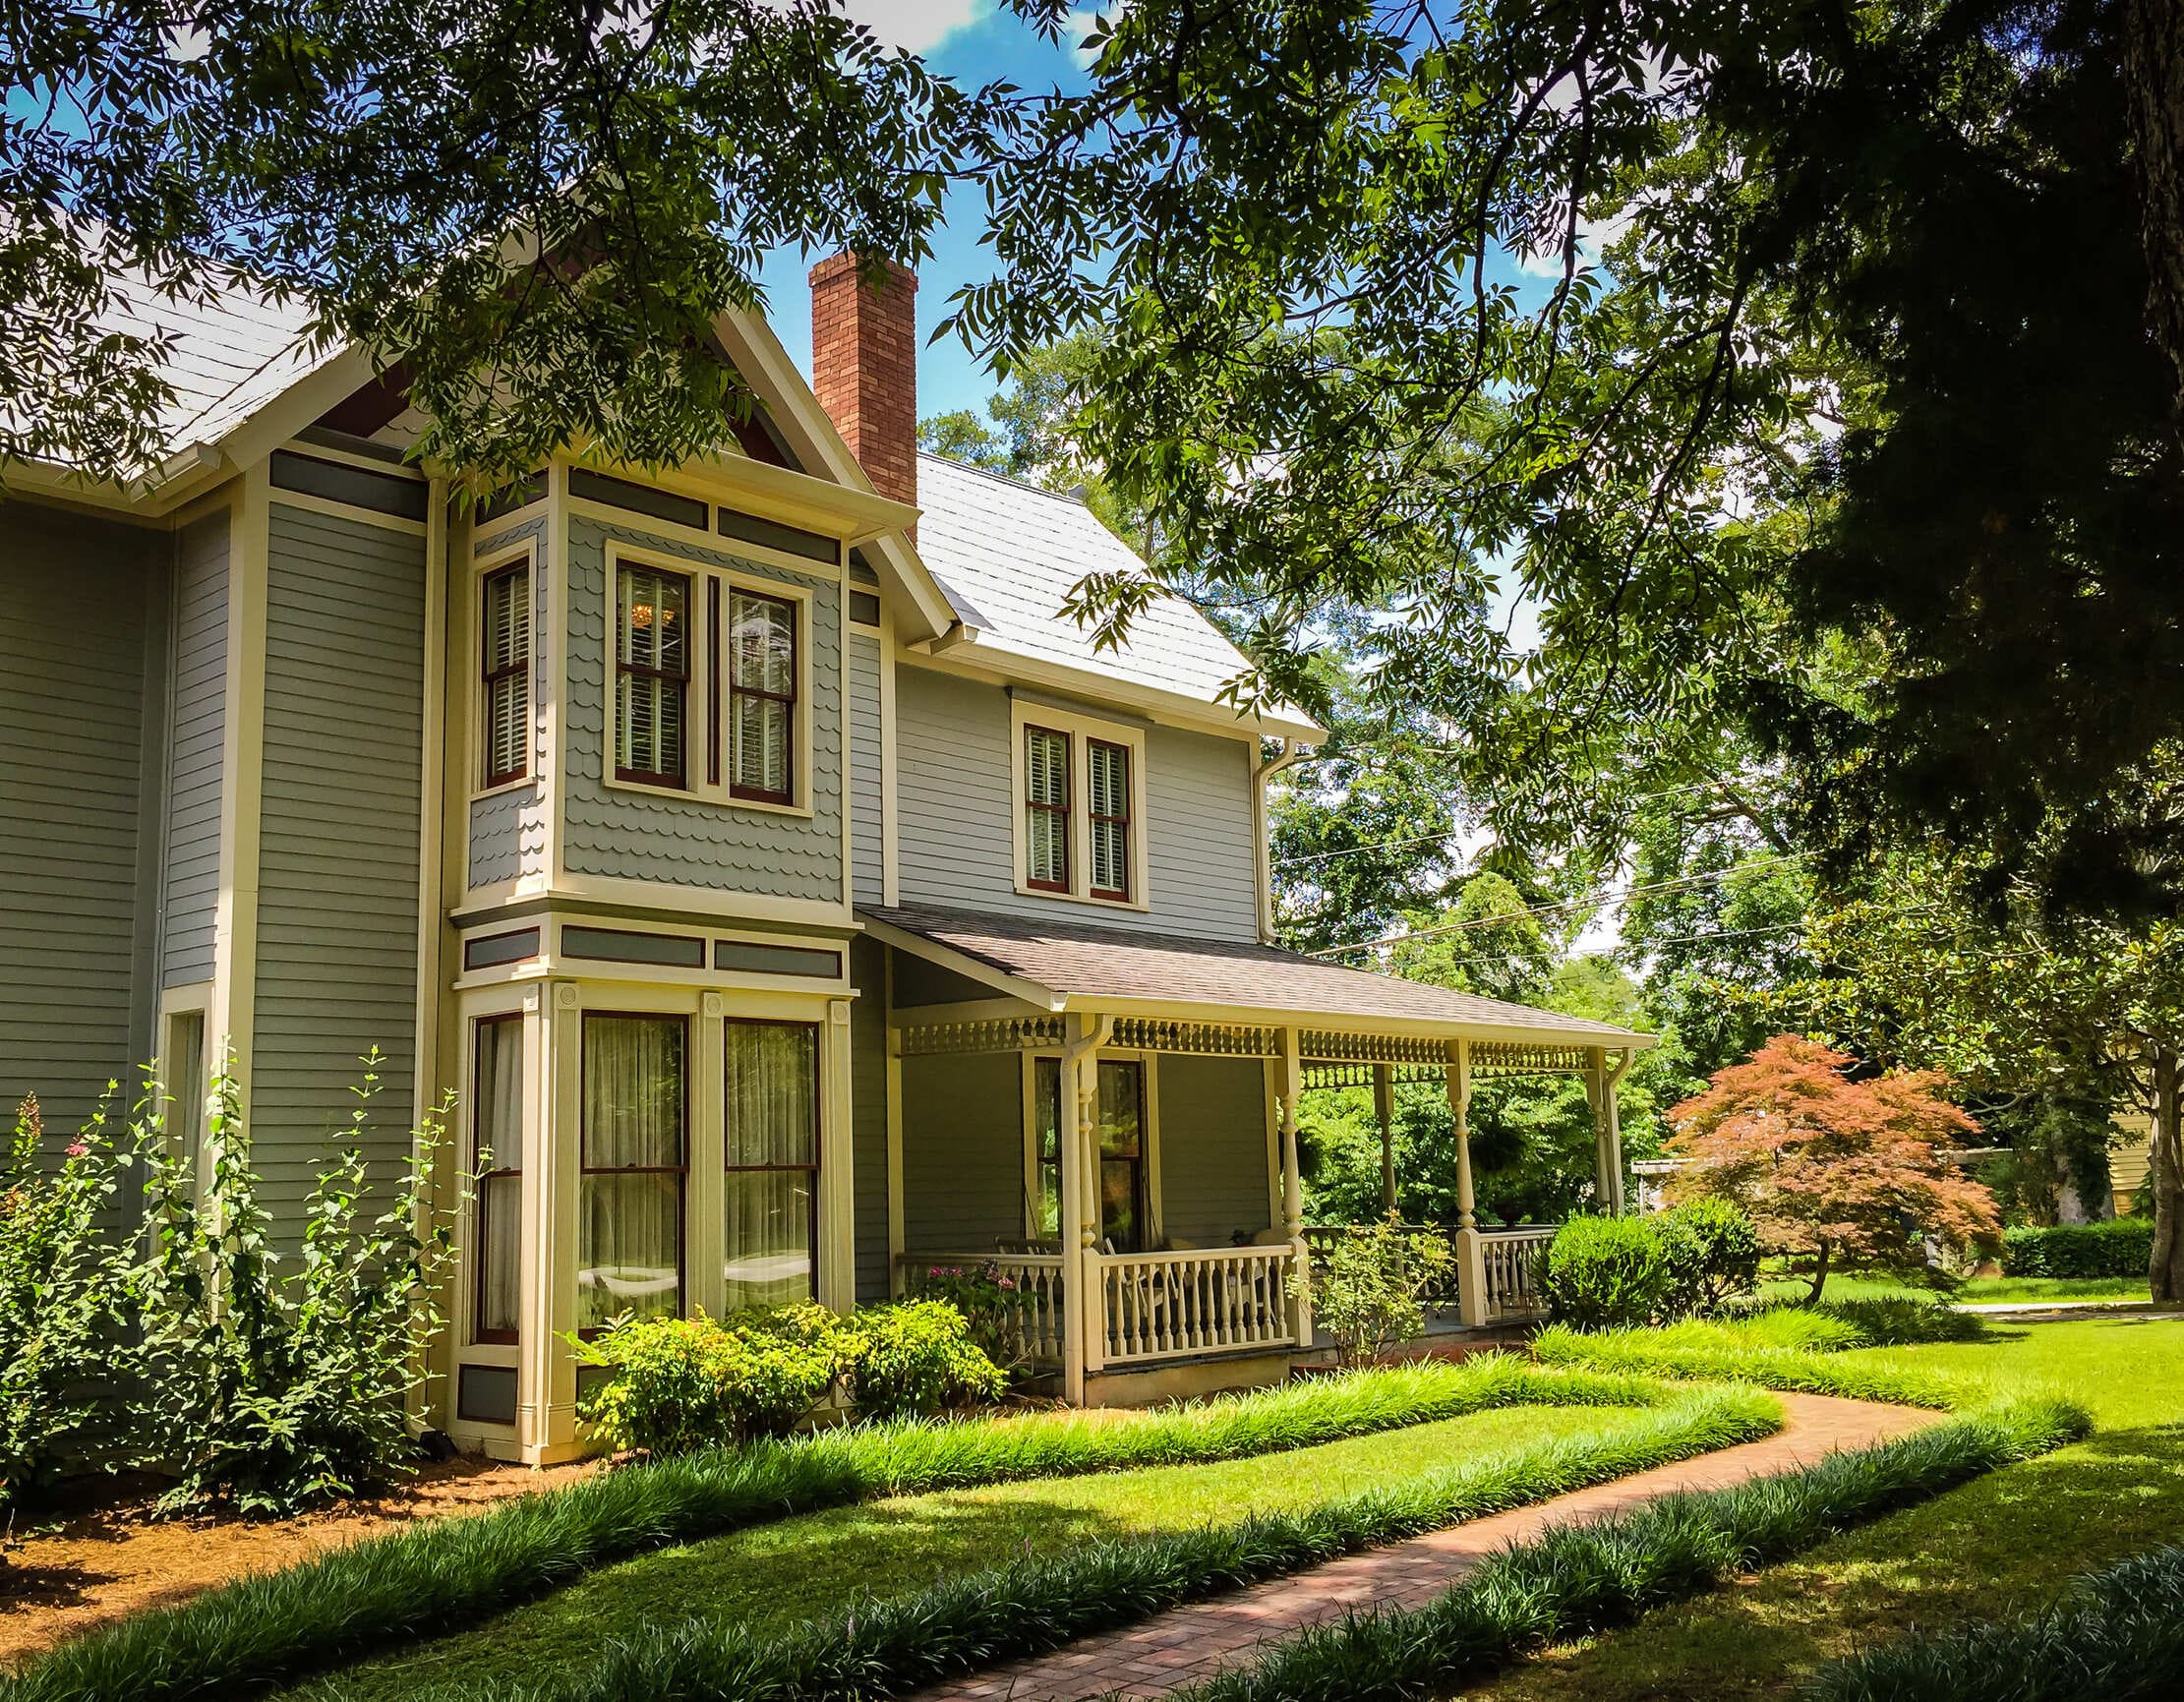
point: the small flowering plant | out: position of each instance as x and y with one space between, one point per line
990 1302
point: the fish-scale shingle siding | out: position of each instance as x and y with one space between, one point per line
617 833
508 836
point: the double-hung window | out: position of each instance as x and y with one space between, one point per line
497 1154
762 697
771 1106
635 1120
1046 826
652 674
504 665
1108 800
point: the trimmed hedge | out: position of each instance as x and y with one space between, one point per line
2120 1247
873 1649
436 1577
1582 1578
2117 1635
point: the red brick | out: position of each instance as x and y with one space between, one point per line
864 367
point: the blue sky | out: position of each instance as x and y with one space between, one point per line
974 42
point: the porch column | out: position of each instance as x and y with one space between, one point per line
1471 1264
1599 1087
1293 1188
1084 1323
1384 1108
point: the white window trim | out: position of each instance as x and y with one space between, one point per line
1156 1206
523 553
1078 729
696 732
192 999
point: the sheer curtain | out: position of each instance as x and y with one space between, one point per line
496 1128
630 1250
771 1103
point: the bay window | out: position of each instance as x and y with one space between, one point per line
633 1146
504 665
497 1157
770 1104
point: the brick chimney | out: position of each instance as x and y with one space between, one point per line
864 368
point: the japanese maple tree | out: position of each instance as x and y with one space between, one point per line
1828 1167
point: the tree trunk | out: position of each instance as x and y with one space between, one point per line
2153 90
2165 1270
1819 1276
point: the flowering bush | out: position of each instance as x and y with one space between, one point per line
991 1305
1366 1289
60 1286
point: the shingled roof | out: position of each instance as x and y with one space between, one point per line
1083 965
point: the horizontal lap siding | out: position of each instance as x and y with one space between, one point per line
868 1117
956 843
1212 1148
617 833
73 666
867 871
195 739
338 846
963 1152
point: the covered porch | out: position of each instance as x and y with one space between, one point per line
1109 1122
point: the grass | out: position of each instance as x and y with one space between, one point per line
873 1647
2001 1547
2116 1635
436 1577
776 1575
1717 1351
1975 1291
1584 1576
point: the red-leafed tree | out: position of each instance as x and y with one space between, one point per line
1828 1167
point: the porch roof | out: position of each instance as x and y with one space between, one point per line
1059 965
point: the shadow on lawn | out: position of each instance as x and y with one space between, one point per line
767 1577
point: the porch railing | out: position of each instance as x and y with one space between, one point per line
1035 1281
1157 1305
1511 1258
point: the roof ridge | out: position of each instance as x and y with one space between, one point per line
1075 501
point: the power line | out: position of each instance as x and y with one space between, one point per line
1668 940
1452 832
1603 898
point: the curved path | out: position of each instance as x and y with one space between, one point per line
1191 1643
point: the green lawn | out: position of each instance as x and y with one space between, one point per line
1995 1549
773 1575
1978 1291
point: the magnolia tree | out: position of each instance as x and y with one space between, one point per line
1828 1167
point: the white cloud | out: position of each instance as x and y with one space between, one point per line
916 25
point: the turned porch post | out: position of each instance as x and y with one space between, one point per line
1084 1323
1471 1264
1384 1108
1292 1189
1601 1084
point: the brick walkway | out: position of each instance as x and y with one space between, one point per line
1191 1643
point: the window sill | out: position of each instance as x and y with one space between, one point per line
526 783
712 797
1139 905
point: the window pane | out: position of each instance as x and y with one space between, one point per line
634 1095
1121 1122
1047 853
629 1247
500 1252
497 1102
648 725
1109 766
762 644
184 1068
1110 857
654 619
1046 1111
768 1236
507 710
772 1093
508 620
1046 767
761 757
1118 1203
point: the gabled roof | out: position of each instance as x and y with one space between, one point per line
1083 965
1009 553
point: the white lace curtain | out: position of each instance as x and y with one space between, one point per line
630 1251
496 1119
771 1104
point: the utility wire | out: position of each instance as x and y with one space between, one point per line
1453 833
1604 898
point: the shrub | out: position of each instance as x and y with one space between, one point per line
1365 1292
991 1305
268 1392
915 1359
1712 1249
59 1288
683 1384
1900 1320
1604 1274
2120 1246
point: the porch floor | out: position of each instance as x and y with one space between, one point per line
1191 1644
